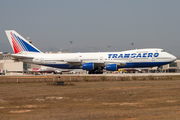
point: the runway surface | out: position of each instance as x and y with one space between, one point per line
113 75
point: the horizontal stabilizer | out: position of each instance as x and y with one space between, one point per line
16 56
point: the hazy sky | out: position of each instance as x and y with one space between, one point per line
93 25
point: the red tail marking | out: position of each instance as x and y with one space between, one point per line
16 46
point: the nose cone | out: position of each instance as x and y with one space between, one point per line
174 58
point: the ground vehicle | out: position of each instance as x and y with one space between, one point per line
2 72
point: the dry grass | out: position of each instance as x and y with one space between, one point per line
53 79
100 99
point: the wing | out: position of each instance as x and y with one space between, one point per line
96 63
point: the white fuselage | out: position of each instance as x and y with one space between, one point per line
125 59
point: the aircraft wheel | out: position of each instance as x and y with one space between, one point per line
90 72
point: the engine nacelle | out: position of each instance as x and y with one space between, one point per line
88 66
111 67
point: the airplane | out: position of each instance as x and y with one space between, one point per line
93 62
56 70
53 70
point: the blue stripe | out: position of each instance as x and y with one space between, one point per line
21 43
29 47
128 65
143 64
63 66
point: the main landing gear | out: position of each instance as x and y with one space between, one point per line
98 70
95 72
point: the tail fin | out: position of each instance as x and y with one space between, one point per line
19 44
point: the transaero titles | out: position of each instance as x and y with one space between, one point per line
133 55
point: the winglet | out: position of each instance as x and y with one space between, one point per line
19 44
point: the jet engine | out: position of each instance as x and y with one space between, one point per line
111 67
88 66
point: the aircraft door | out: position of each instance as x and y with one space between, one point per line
77 59
101 58
42 60
130 58
153 59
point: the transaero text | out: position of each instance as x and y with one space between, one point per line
133 55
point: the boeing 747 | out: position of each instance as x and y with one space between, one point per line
94 62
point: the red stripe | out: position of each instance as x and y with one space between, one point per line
16 46
15 50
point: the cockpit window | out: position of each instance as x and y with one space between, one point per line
162 50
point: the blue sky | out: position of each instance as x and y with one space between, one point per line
93 25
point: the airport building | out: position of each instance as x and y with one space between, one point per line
173 67
8 66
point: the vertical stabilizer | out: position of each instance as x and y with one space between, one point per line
20 44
